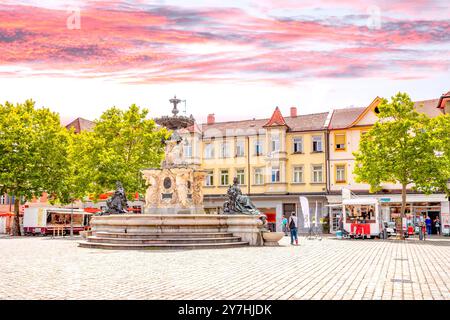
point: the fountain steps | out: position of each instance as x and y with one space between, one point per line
177 231
162 235
162 244
113 246
168 239
162 240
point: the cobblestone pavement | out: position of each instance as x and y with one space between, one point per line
45 268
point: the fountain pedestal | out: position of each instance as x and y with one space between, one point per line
174 190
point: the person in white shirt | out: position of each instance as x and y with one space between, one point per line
293 227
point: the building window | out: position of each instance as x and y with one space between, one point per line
224 150
275 174
275 142
258 147
240 147
223 177
187 149
3 199
240 174
317 173
339 141
298 174
259 176
317 143
209 178
340 173
298 145
209 151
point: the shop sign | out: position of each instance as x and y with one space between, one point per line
385 199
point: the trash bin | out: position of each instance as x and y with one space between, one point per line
339 234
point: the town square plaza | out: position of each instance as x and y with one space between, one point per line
56 268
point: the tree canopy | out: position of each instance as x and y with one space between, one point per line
33 152
122 143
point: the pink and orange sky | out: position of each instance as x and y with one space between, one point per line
237 59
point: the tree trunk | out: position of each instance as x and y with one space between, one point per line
16 229
402 211
71 222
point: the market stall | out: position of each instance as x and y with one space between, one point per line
362 218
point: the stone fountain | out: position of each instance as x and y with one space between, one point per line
176 188
174 217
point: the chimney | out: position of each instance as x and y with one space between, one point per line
293 112
211 118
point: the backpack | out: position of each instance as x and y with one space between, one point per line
291 223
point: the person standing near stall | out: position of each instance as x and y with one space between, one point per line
293 227
284 226
428 223
437 225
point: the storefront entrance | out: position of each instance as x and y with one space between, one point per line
288 208
433 215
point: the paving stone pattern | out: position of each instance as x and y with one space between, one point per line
46 268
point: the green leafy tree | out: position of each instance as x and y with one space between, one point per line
401 147
121 145
33 153
439 139
76 178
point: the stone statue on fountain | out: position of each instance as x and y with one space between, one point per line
117 204
238 202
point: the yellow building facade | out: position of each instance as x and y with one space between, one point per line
345 130
281 158
276 160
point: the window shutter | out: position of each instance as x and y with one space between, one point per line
340 141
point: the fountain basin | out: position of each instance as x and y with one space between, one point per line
271 238
140 231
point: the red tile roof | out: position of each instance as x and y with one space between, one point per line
442 101
81 124
343 118
428 107
308 122
277 119
194 128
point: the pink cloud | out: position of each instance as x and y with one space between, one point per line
115 40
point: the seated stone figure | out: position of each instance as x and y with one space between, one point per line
117 204
237 202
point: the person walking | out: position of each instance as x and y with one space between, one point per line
284 225
428 223
437 225
293 227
